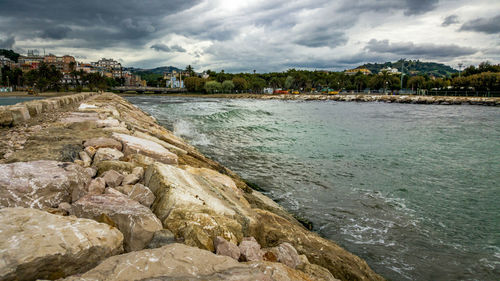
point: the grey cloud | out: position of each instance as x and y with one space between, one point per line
7 43
416 7
410 7
160 47
322 37
484 25
419 50
58 32
449 20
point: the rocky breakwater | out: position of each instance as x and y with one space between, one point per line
413 99
103 192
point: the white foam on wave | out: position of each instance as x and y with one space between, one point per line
183 128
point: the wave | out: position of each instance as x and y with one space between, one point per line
183 128
235 114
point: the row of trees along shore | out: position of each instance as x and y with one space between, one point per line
48 78
485 77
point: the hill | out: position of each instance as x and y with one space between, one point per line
9 54
415 67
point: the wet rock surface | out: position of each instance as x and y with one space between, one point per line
35 244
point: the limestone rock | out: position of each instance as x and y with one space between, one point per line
196 208
136 222
97 186
133 145
20 114
105 153
167 145
286 254
226 248
119 166
90 151
250 250
161 238
66 207
91 172
110 122
40 184
37 245
279 271
87 161
139 193
139 172
316 272
103 142
130 179
113 191
112 178
183 263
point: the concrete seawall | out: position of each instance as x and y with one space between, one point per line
93 188
19 113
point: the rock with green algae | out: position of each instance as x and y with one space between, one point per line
37 245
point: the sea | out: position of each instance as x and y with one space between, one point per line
412 189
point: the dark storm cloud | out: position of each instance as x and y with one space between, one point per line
410 7
323 36
160 47
484 25
97 23
449 20
58 32
419 50
7 43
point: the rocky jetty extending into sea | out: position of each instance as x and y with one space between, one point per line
413 99
93 188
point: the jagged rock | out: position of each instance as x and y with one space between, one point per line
273 229
316 272
139 193
104 154
20 114
66 207
40 184
37 245
5 117
112 178
196 208
119 166
97 186
185 263
113 191
130 179
91 172
286 254
250 250
90 151
87 161
226 248
139 172
103 142
135 145
136 222
161 238
110 122
139 160
168 146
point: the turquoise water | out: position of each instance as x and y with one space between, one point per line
412 189
14 100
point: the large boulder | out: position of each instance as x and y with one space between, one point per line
196 208
181 262
40 184
133 145
103 142
137 223
37 245
139 193
105 154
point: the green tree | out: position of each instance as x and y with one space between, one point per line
257 85
213 87
189 70
289 82
240 84
416 82
228 86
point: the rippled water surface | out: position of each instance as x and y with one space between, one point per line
412 189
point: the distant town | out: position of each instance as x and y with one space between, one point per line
34 72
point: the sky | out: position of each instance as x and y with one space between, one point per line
261 35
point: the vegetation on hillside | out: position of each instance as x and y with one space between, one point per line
415 67
10 54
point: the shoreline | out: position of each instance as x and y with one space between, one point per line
413 99
195 199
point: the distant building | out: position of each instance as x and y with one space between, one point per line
62 64
85 67
108 68
6 62
174 79
30 62
354 71
390 70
